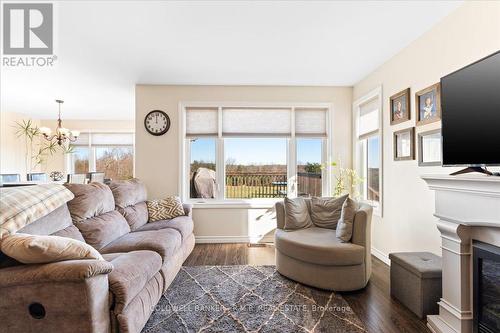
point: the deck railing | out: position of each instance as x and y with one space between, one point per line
270 185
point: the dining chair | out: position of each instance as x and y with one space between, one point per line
10 177
96 177
77 178
37 176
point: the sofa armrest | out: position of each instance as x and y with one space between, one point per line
188 209
66 296
361 234
62 271
280 214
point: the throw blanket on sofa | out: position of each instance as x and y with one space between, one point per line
20 206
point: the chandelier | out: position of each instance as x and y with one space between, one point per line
62 135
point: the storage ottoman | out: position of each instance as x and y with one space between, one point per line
416 281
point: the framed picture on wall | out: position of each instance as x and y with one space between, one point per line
400 107
428 105
404 144
429 148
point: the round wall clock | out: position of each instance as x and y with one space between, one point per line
157 122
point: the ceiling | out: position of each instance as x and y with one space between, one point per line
104 48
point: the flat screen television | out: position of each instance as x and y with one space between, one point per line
470 105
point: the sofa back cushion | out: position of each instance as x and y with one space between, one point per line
130 200
93 213
90 200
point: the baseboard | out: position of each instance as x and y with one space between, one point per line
234 239
381 255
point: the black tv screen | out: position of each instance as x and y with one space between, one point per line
470 104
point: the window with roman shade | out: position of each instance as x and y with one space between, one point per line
254 152
368 119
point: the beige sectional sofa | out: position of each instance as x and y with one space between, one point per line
118 294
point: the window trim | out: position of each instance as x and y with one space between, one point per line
68 161
220 201
359 145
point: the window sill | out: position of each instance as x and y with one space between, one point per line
230 204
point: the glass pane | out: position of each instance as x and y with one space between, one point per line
309 167
255 168
80 159
373 163
202 176
115 162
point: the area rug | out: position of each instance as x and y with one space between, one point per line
248 299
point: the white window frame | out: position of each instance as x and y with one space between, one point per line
360 148
220 200
69 165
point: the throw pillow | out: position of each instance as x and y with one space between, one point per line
164 209
35 249
325 212
346 221
296 214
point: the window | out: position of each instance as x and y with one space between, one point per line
253 152
202 176
368 148
309 167
111 153
255 168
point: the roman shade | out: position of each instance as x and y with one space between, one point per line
256 121
202 122
112 139
310 122
368 121
228 121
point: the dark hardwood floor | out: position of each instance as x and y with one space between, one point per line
373 305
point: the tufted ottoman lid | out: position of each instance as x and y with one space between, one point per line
422 264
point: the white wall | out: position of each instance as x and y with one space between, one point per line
157 158
466 35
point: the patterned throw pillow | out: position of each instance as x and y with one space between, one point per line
164 209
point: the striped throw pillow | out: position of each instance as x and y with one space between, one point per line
164 209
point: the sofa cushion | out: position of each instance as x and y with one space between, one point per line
36 249
131 273
346 221
325 212
183 224
165 242
90 200
101 230
70 232
296 214
136 215
128 192
319 246
165 209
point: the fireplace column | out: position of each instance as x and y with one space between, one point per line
468 207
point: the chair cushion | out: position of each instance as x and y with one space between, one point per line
183 224
165 242
131 273
296 214
346 221
318 246
325 212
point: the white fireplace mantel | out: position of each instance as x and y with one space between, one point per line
468 208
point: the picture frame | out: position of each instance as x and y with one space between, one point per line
400 108
428 105
404 144
429 148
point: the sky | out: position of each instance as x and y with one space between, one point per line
249 151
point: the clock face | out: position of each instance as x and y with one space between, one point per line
157 122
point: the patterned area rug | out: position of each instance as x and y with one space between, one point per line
248 299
